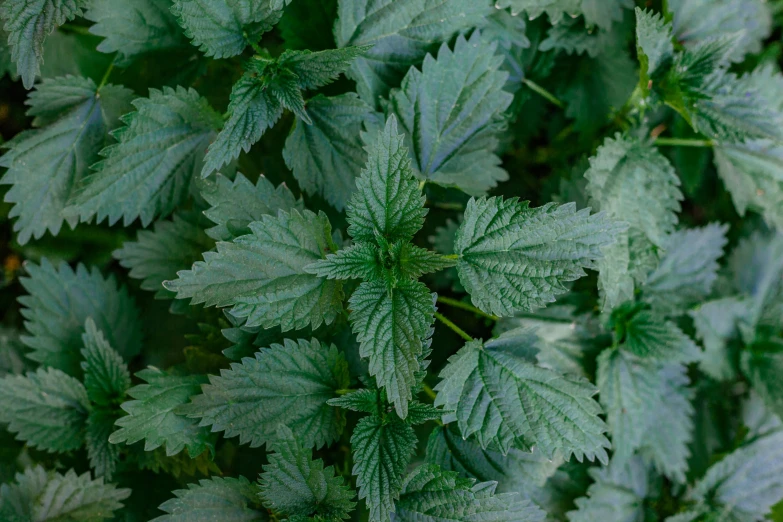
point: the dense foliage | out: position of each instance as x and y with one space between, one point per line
412 260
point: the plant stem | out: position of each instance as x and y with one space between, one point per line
682 142
106 75
459 331
448 206
429 392
76 29
466 306
451 256
543 92
344 391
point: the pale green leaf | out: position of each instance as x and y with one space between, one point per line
508 402
695 21
295 484
430 494
451 112
401 33
381 453
358 261
236 204
153 416
653 43
262 274
516 471
60 301
45 165
391 324
617 494
641 396
746 483
717 325
516 258
230 499
328 155
149 172
44 496
285 384
28 23
47 409
762 364
596 12
632 182
157 255
223 28
134 27
316 69
688 270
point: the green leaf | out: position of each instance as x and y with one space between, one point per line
617 494
316 69
689 268
45 165
102 454
639 397
518 470
60 301
106 375
132 28
716 323
508 402
756 264
285 384
327 156
388 201
451 113
46 409
391 324
746 483
149 172
223 28
365 400
236 204
401 33
516 258
651 337
358 261
654 45
761 364
235 499
252 110
157 255
430 493
596 12
262 274
294 484
752 173
634 183
50 496
381 453
696 21
28 23
154 416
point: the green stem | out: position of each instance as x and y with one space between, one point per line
466 306
429 392
448 206
682 142
344 391
543 92
76 29
451 256
459 331
106 75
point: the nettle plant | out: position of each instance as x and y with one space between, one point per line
379 328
